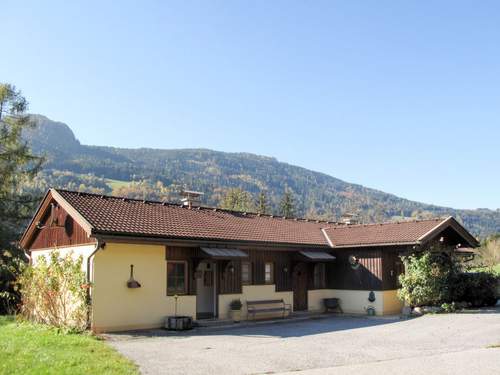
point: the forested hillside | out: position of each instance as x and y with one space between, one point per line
160 174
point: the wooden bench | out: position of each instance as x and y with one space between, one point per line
268 306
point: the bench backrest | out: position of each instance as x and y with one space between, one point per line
265 302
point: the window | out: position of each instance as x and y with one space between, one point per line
176 278
246 273
268 273
319 276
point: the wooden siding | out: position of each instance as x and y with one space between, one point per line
368 276
373 272
58 229
190 254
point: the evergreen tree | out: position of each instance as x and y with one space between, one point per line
262 205
287 204
17 166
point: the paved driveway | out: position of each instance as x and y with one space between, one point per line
437 344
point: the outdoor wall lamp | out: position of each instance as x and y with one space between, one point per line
132 283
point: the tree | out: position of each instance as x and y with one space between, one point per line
262 205
489 252
238 200
17 166
287 204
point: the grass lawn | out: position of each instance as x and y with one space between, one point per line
115 184
34 349
497 269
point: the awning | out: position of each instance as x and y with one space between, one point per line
317 256
220 253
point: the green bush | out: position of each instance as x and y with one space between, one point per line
54 292
476 288
235 304
428 279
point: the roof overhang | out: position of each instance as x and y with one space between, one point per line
223 253
317 256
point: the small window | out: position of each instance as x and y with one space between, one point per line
176 278
268 273
246 273
319 276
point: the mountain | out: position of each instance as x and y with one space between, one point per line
160 174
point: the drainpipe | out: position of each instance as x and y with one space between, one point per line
99 244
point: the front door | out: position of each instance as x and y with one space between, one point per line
299 284
205 290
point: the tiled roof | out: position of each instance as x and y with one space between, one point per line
114 215
404 232
123 216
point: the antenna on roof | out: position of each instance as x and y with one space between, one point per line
191 197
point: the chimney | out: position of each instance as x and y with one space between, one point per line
191 198
349 219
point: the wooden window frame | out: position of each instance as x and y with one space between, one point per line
322 276
249 282
272 273
186 277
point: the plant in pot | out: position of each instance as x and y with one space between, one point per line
235 310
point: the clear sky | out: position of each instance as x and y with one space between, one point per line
402 96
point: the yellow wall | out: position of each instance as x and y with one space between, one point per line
252 293
76 251
392 304
315 298
356 301
116 307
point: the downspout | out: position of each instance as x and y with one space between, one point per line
99 244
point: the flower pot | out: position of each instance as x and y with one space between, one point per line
235 315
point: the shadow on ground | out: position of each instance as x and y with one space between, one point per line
302 328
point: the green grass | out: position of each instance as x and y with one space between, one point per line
116 184
34 349
497 269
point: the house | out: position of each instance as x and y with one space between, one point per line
196 260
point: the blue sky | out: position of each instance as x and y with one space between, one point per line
399 96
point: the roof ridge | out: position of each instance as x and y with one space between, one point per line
201 207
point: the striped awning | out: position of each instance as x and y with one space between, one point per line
221 253
318 256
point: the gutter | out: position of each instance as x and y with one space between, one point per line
98 245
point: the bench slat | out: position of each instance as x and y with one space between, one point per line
268 302
269 310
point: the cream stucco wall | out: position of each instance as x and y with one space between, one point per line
315 299
76 251
392 304
116 307
253 293
356 301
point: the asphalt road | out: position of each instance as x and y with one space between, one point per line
437 344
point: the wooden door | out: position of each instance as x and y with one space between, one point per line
299 285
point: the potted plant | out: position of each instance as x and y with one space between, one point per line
235 310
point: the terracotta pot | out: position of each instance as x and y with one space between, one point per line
235 315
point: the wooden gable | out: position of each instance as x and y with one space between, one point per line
52 226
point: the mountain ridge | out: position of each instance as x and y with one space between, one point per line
152 172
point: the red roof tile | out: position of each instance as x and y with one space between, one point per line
405 232
113 215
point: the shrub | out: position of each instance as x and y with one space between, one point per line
477 288
54 292
235 304
428 279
